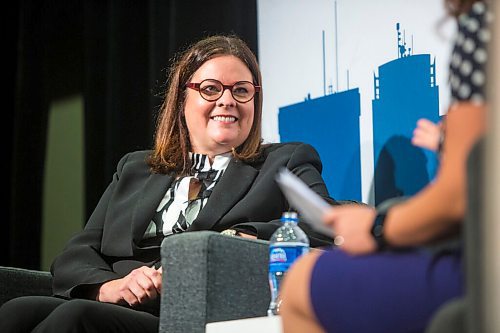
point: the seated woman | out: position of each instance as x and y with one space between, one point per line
400 286
208 170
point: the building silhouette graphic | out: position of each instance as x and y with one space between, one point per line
405 90
331 124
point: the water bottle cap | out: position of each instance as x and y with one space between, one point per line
290 217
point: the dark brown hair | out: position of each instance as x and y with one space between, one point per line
457 7
172 145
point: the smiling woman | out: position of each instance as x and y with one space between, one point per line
208 170
198 63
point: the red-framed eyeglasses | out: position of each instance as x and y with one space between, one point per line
211 90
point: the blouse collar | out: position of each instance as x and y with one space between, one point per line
201 162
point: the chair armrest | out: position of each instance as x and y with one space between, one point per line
209 277
15 282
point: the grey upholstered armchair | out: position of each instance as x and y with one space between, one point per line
15 282
207 277
211 277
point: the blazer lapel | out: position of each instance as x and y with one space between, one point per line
233 185
153 191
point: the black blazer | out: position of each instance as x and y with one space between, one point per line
246 198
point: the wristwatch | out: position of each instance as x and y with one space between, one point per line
229 232
378 230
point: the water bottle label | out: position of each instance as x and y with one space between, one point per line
281 257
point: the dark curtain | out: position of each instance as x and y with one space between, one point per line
116 54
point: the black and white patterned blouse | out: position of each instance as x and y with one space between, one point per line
470 54
179 208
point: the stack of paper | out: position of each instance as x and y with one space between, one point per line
308 203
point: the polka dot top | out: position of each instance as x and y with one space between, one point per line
470 54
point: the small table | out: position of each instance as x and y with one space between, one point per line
248 325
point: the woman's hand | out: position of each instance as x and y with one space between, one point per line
427 134
352 228
139 286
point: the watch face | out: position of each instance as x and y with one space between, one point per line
377 230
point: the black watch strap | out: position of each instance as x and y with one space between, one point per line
378 230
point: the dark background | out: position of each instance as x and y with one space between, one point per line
115 54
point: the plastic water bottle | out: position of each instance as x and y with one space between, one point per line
286 244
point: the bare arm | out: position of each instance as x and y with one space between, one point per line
433 212
441 205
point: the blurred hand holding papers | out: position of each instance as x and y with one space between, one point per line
308 203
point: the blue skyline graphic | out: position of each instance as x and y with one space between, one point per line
331 124
405 90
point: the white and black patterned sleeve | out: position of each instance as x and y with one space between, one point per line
470 54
